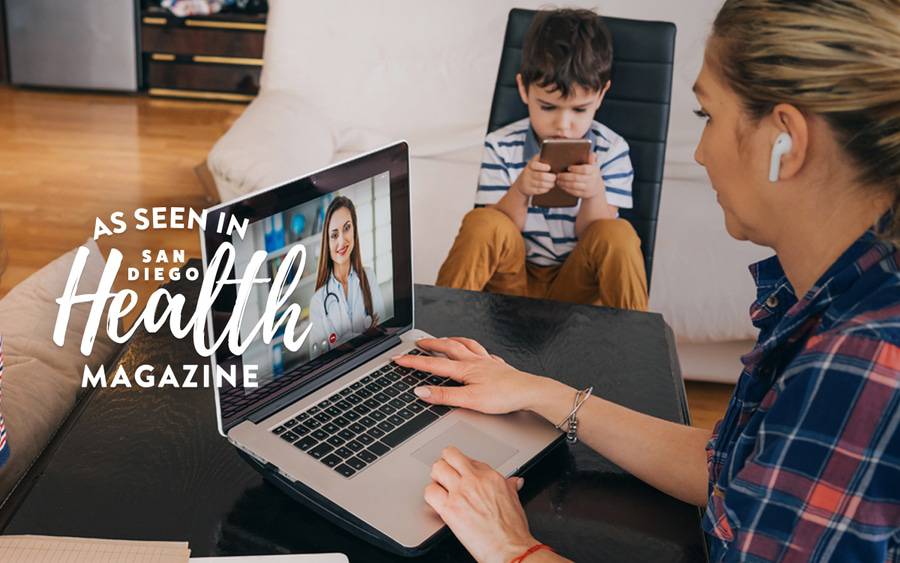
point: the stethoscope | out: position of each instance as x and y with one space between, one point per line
329 294
332 338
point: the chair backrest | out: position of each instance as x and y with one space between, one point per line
636 106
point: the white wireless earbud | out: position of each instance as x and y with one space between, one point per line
781 147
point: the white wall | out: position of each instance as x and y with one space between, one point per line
360 74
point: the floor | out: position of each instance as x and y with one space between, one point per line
67 159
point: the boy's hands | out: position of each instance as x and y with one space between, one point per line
535 179
582 180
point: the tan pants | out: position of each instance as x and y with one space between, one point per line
606 266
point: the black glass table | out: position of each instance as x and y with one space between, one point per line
149 464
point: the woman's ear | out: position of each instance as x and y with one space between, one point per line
523 91
788 119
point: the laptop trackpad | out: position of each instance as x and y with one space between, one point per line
470 441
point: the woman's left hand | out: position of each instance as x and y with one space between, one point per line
490 385
480 506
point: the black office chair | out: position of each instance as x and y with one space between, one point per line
636 106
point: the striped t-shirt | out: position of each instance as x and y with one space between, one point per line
4 449
550 233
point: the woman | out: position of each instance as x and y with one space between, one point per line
805 465
344 304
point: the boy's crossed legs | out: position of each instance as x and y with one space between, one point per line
606 266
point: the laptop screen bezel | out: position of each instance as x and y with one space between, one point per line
394 160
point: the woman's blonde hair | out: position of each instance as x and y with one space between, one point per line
839 59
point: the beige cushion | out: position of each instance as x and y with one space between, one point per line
40 379
276 139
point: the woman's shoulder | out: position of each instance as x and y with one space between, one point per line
863 302
855 347
871 309
860 349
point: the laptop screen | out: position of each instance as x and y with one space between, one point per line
352 291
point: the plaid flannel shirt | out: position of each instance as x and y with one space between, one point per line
805 465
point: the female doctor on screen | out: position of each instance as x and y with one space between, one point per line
344 304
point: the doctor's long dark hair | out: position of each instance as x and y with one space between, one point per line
326 265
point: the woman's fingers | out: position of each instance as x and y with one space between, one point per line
458 461
473 345
444 475
450 396
437 366
427 343
451 348
436 497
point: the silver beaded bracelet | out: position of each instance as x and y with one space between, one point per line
572 418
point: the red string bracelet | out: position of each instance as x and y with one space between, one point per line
530 550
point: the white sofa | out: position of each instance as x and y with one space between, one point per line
344 77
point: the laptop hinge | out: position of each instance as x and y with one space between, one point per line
323 380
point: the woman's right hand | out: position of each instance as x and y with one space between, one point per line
536 178
490 385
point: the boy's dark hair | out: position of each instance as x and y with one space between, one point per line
567 47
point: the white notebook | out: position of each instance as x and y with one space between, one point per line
312 558
49 549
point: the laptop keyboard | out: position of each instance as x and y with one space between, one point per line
353 428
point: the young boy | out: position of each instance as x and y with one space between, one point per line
583 254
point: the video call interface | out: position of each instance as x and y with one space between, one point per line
346 288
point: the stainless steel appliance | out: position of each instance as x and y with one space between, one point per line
88 44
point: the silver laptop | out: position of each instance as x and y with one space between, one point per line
333 421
